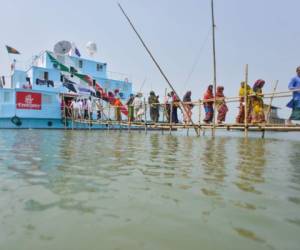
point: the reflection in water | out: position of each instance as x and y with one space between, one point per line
170 149
251 164
128 187
155 147
294 158
213 160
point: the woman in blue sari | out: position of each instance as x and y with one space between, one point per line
294 104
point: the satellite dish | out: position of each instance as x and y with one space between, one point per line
91 48
62 47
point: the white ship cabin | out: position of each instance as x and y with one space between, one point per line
46 75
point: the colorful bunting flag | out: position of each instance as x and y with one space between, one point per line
59 65
77 52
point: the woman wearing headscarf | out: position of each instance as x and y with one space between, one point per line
130 108
154 106
221 106
187 112
257 102
117 105
167 106
175 105
208 104
241 116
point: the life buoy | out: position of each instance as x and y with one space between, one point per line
16 120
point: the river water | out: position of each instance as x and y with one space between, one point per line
117 190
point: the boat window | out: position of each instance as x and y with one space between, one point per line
80 63
7 97
47 99
99 67
46 75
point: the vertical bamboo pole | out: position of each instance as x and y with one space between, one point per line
214 65
129 116
72 118
89 116
171 116
145 115
199 117
269 109
246 102
271 100
164 111
64 111
108 120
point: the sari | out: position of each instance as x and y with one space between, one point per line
208 105
241 115
221 106
257 103
118 105
188 106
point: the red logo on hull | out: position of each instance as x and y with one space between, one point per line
29 100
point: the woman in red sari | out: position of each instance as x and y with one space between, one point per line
221 106
208 105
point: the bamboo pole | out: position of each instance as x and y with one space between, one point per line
246 101
64 111
129 118
108 116
145 115
214 65
199 123
154 60
271 100
171 116
164 110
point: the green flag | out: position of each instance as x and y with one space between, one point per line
60 66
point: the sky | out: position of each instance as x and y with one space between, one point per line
262 33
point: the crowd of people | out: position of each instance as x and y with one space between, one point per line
250 98
81 108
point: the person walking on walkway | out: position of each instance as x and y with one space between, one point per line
257 102
187 112
153 101
221 106
130 108
208 104
241 115
294 104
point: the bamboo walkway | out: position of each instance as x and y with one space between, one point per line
164 125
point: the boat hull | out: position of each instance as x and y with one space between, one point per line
38 123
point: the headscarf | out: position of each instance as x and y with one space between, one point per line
118 103
220 90
187 97
242 90
258 85
209 93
